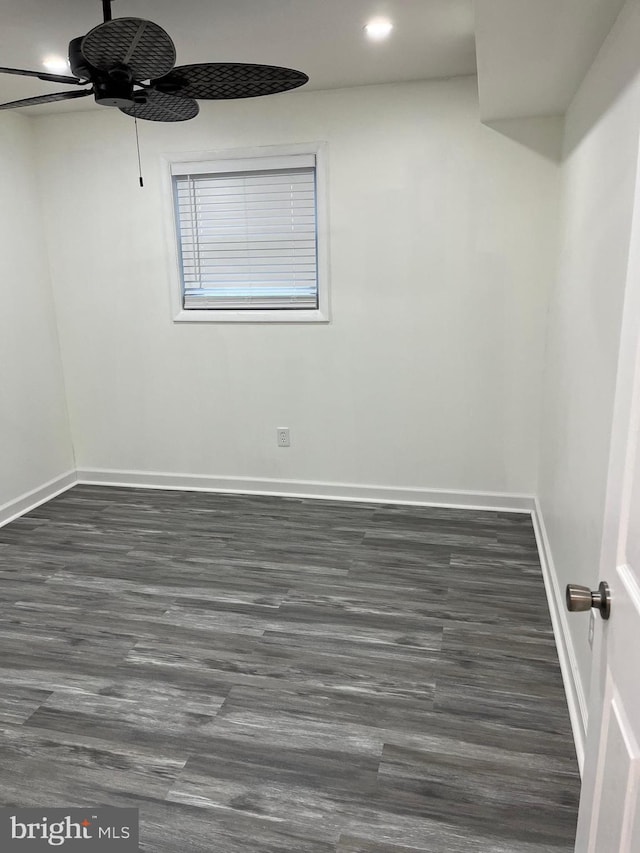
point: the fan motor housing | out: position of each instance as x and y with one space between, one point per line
113 93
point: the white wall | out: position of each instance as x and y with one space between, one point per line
35 442
429 374
599 177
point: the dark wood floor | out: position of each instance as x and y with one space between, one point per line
260 674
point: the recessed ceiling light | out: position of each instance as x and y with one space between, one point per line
56 64
379 29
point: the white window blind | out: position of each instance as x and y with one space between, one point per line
248 235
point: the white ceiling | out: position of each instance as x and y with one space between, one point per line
324 38
531 54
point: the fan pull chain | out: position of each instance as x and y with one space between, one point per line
135 119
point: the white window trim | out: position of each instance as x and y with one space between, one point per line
235 157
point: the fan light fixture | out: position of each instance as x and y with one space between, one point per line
379 29
56 64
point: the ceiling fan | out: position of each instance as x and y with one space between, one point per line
129 63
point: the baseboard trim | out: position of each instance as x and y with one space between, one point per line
307 489
576 699
30 500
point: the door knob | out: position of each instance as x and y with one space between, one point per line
582 598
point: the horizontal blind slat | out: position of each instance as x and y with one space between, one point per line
304 206
286 255
256 303
255 179
189 212
284 223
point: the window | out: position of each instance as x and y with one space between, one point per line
249 233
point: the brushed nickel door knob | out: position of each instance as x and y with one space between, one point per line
581 598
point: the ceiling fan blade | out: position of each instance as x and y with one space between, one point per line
227 80
46 99
161 107
144 47
42 75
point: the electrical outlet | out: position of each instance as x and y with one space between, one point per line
284 439
592 627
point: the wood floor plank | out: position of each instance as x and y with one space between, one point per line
524 800
58 769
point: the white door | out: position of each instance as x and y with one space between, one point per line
609 818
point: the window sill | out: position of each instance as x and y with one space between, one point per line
231 316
